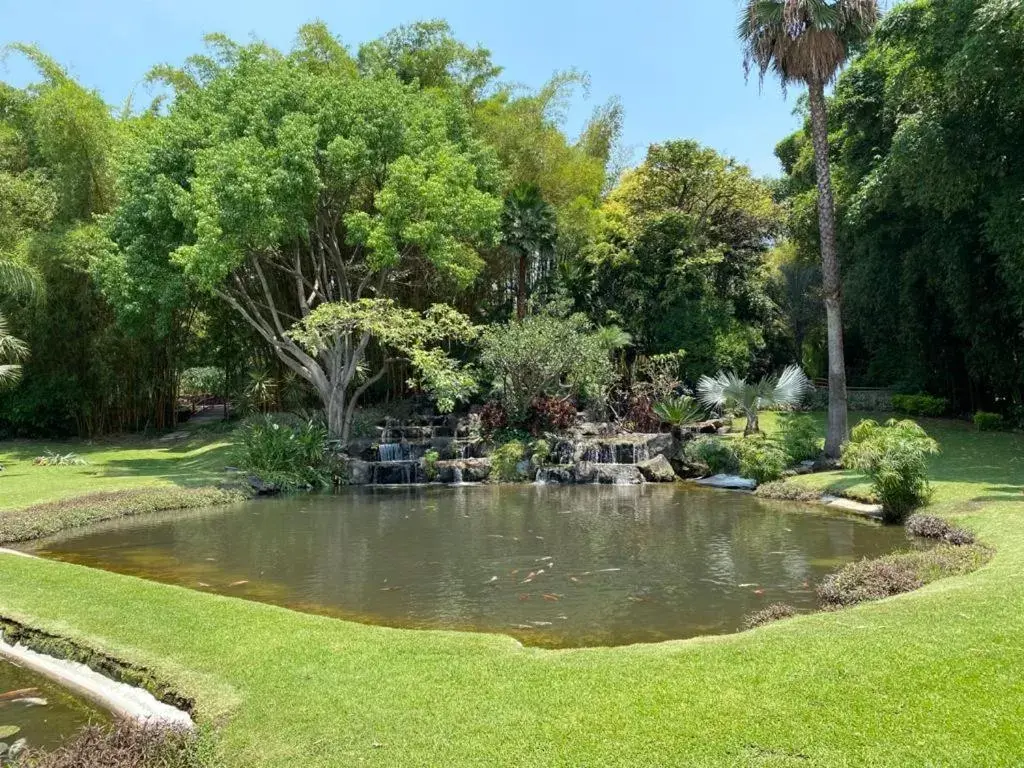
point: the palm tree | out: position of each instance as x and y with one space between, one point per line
807 41
528 230
728 391
14 279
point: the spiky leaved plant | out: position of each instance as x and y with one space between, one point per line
728 391
807 41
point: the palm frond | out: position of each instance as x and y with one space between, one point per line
16 279
9 375
790 387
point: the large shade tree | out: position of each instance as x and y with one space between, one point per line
285 182
808 41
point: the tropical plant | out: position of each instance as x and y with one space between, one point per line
430 459
808 41
761 459
800 437
545 355
718 455
12 351
728 391
895 457
529 231
678 411
505 461
54 459
540 453
284 452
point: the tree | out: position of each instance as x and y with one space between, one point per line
528 230
808 41
727 390
281 183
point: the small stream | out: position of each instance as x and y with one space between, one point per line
555 566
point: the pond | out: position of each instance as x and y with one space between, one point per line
555 566
42 713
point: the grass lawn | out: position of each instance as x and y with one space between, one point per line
931 678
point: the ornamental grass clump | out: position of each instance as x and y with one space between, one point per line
895 457
773 612
124 745
283 452
931 527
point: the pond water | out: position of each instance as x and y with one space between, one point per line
42 713
555 566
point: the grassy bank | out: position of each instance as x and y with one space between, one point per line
116 480
925 679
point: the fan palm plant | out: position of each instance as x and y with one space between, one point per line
807 41
678 411
728 391
528 230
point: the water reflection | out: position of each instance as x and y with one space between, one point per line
552 565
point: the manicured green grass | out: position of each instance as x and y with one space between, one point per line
931 678
110 467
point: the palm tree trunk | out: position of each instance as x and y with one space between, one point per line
838 428
521 288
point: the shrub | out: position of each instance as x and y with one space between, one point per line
53 459
125 745
550 414
545 355
767 615
505 461
895 458
920 404
678 410
541 453
761 459
203 380
894 574
931 527
493 417
988 422
430 459
780 489
801 438
718 455
288 455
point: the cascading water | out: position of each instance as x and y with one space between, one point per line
457 475
392 452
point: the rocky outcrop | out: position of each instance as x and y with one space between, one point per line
733 482
657 470
607 474
463 470
358 472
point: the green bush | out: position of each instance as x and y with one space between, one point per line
761 459
288 454
988 422
920 405
430 459
541 453
505 461
895 458
801 438
718 455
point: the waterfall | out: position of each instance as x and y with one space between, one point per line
641 453
457 475
391 452
542 477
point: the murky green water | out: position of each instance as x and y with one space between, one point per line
43 713
553 566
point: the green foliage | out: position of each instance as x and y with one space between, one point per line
728 391
284 453
895 458
540 452
12 351
202 380
545 355
680 262
920 405
800 437
505 461
718 455
430 459
761 459
988 422
678 411
54 459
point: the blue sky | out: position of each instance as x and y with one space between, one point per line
675 65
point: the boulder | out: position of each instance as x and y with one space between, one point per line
657 470
262 488
471 470
607 474
358 472
558 475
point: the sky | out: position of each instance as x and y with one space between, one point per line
676 66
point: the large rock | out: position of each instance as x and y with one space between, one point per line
559 475
607 474
358 472
657 470
470 470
